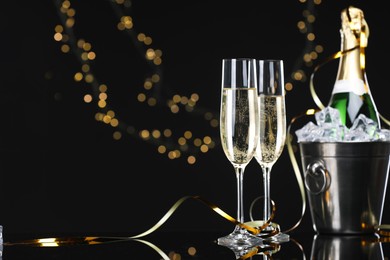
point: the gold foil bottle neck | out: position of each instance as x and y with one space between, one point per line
353 34
354 25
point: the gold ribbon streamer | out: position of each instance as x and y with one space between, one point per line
89 240
250 226
384 230
297 172
384 119
253 251
253 229
268 248
261 224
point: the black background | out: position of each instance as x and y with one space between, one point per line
61 170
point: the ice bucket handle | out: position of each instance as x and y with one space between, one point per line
317 178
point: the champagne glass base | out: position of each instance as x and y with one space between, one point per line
240 239
248 247
277 238
266 234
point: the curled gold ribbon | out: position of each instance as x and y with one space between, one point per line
251 253
384 231
297 172
94 240
251 227
255 227
262 224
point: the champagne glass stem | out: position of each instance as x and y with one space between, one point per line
267 193
240 192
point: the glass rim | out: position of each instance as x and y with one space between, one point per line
227 59
274 60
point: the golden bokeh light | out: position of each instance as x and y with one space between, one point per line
156 134
167 133
65 48
117 135
88 98
141 97
78 76
178 104
187 134
161 149
58 37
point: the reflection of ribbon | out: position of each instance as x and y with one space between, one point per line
94 240
384 230
268 250
88 240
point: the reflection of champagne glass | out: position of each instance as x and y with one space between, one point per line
272 128
264 251
239 129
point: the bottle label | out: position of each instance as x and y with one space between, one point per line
349 85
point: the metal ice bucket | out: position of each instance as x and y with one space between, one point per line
346 185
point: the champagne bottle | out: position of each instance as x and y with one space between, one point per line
351 93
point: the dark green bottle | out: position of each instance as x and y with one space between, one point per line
351 93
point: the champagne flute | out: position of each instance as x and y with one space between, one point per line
239 130
272 135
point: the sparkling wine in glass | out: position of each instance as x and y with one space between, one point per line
272 133
239 131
